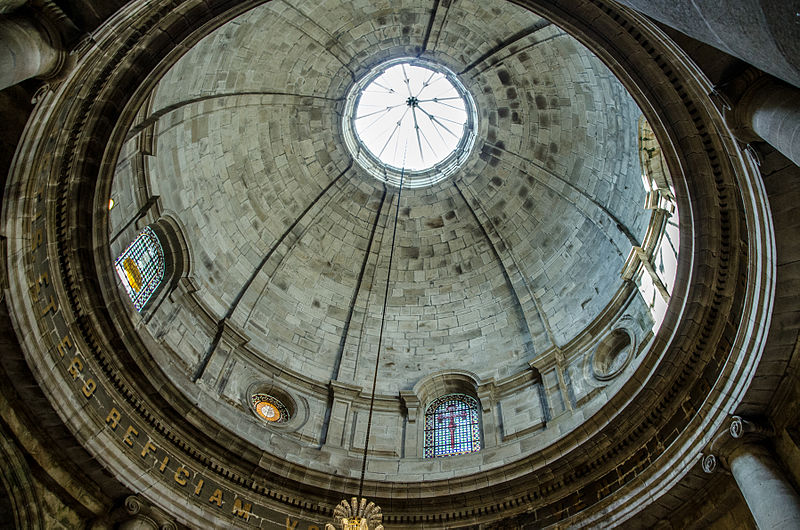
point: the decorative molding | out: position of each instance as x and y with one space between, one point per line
739 431
700 335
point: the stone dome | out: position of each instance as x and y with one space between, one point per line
581 277
514 255
509 270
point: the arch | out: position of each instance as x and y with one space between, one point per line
177 253
446 382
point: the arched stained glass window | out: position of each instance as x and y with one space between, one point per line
452 426
141 267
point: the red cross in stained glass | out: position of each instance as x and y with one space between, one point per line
451 415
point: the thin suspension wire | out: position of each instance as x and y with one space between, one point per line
434 119
435 100
383 319
384 109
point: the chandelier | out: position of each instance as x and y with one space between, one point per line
355 514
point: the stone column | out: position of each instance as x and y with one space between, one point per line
27 49
770 109
761 33
771 499
769 495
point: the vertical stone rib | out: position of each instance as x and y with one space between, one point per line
429 28
513 39
537 325
606 212
201 366
343 340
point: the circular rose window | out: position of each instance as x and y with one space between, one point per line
269 408
410 120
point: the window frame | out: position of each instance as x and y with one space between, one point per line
153 278
433 433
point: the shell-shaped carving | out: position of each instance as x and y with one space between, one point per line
369 512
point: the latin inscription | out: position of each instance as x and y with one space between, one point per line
134 440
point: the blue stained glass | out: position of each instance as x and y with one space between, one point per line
452 426
141 267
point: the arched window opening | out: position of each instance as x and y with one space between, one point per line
452 426
659 253
141 267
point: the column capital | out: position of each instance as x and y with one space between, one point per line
142 515
736 434
737 98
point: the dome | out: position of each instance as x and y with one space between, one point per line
508 269
510 257
261 301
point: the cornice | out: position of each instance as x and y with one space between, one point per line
704 356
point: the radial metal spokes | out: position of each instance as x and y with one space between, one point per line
407 81
433 151
440 117
439 102
385 109
429 92
416 128
379 119
394 130
426 83
440 78
388 89
436 100
435 120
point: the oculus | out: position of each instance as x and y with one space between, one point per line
409 119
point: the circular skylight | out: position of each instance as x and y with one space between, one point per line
409 119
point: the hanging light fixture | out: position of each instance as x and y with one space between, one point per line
358 513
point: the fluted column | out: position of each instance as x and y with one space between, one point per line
773 502
27 50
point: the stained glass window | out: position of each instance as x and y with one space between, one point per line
269 408
141 267
452 426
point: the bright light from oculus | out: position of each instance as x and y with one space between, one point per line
410 116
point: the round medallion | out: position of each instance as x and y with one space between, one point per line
269 408
268 411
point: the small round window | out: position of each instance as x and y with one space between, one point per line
612 354
269 408
411 119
